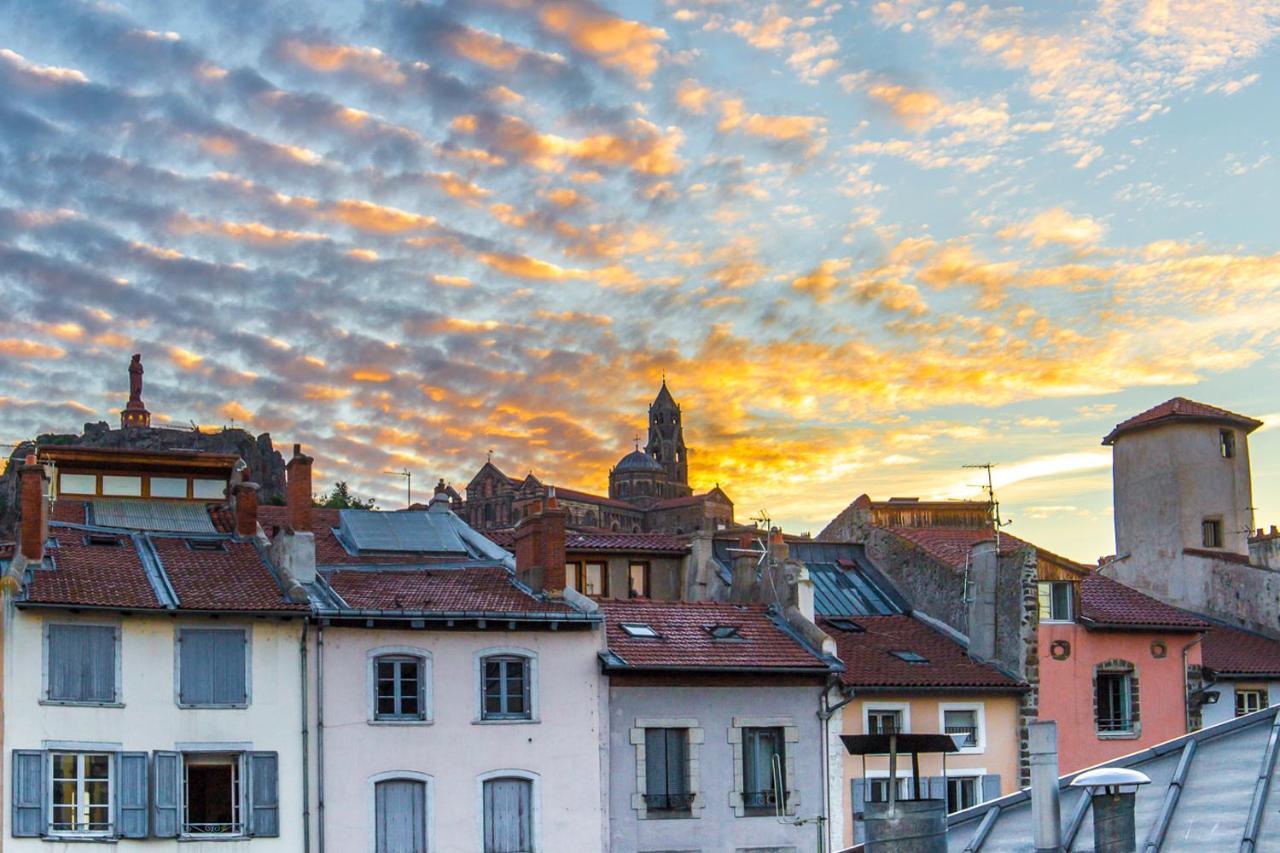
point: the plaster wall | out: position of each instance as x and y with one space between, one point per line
999 752
150 718
664 573
717 829
1067 690
560 748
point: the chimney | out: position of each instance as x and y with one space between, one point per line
1046 811
34 509
298 489
1113 795
540 540
983 565
778 546
245 498
441 488
742 584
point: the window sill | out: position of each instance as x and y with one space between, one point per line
505 722
80 839
213 707
1133 735
660 815
401 722
1057 621
972 750
67 703
212 837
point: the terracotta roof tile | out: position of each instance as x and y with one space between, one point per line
1180 408
869 663
1232 651
475 589
1109 602
685 643
951 545
70 512
92 575
655 542
236 579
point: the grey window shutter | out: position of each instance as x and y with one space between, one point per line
676 779
264 794
131 795
655 764
212 665
29 815
82 663
936 788
507 816
400 807
167 789
991 787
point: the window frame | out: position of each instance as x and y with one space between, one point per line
1214 525
903 709
535 803
1261 691
979 719
670 812
425 715
1052 585
790 747
241 806
972 775
46 665
881 777
755 809
81 781
530 658
647 579
1128 673
401 776
1227 443
247 631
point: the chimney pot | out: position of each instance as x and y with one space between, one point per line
33 508
245 496
298 489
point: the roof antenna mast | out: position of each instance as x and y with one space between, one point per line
408 484
993 504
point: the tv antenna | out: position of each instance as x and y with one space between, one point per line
408 484
779 797
993 505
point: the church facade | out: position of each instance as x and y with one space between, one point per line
648 489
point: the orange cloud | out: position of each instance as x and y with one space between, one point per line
184 359
644 148
378 219
693 96
915 108
366 62
1057 225
614 42
19 348
523 266
807 131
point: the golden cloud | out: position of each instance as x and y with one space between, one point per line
368 62
378 219
21 348
1056 225
614 42
523 266
807 131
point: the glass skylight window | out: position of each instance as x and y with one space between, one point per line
638 629
842 624
724 632
909 656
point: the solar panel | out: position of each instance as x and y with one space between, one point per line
403 532
174 516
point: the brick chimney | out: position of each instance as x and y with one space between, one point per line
34 509
298 489
245 498
540 546
742 583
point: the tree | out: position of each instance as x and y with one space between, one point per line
340 497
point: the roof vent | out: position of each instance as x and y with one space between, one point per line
103 539
640 630
206 545
909 656
841 624
723 632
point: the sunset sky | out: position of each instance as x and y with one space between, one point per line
867 242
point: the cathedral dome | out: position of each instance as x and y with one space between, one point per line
638 460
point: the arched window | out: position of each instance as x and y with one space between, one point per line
509 802
402 812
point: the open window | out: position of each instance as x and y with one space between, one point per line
1116 699
215 794
1056 601
763 767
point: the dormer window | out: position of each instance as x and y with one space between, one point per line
1227 443
1055 601
842 624
724 632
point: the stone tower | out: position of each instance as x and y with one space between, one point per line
666 441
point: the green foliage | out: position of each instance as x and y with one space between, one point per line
340 497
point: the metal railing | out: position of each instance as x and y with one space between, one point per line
668 802
1120 723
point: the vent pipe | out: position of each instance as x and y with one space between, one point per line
1046 810
1113 792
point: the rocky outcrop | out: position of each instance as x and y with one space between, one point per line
266 465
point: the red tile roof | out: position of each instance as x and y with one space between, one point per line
1180 408
477 589
1108 602
647 542
235 579
951 545
686 644
868 662
92 575
71 512
1232 651
587 497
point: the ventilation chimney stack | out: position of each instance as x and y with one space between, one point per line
743 583
540 538
34 509
1046 810
983 565
244 496
1113 793
298 490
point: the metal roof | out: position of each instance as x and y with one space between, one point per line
412 532
839 591
176 516
1209 791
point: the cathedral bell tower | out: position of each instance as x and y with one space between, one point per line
666 442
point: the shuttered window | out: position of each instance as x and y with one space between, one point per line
762 749
400 807
666 770
506 688
81 663
508 815
215 795
81 793
212 667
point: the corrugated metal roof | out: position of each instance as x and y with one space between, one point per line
845 592
412 532
175 516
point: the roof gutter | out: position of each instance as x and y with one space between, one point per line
156 611
442 615
1119 626
957 688
774 670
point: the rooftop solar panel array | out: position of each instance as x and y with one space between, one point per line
844 592
173 516
408 532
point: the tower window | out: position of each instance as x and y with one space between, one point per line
1211 532
1227 443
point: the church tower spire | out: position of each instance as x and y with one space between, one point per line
135 413
666 441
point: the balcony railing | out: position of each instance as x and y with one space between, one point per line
1115 724
760 799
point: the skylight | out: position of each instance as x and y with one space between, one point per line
102 539
909 656
639 629
841 624
206 545
724 632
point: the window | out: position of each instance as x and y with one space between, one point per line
1249 700
964 722
207 545
1211 532
208 489
121 486
884 721
211 803
400 816
723 632
878 789
909 656
638 580
399 687
639 630
81 664
1115 702
763 768
168 487
1227 443
213 667
962 793
508 815
506 688
594 579
78 484
666 771
1055 601
81 793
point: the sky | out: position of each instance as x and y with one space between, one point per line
867 243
